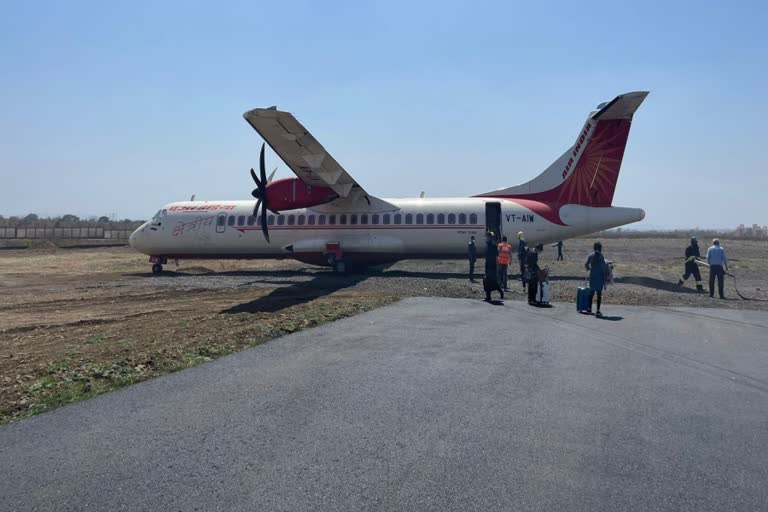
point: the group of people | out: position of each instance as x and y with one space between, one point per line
498 257
717 261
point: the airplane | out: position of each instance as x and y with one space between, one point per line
323 216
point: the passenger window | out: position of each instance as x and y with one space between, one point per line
430 218
291 220
241 220
343 218
280 220
375 218
386 219
321 220
353 219
251 220
441 218
451 218
231 221
311 220
398 219
462 218
300 220
271 220
221 220
409 218
364 218
331 219
473 218
419 218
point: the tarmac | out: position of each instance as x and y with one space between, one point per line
429 404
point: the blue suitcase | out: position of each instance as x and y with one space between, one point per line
582 298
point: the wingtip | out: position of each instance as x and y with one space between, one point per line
259 111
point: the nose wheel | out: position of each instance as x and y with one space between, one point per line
157 269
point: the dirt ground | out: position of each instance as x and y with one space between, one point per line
75 323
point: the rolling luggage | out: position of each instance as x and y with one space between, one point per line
544 292
582 298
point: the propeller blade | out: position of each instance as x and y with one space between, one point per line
256 208
264 228
262 167
253 175
269 180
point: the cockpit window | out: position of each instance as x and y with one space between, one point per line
156 218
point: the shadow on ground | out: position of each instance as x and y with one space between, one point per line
322 284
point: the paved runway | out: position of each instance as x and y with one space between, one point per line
430 404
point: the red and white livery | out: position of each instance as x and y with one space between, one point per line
323 216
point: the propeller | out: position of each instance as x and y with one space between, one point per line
260 193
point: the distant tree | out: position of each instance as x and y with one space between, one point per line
30 219
103 220
70 218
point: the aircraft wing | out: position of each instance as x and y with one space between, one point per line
300 151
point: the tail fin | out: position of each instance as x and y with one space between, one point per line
586 174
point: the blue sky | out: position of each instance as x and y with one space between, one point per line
119 108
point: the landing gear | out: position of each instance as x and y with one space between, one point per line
157 264
334 254
339 267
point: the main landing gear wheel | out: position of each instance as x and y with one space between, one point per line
157 268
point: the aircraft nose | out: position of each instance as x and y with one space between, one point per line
136 238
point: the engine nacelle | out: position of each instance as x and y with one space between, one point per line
292 193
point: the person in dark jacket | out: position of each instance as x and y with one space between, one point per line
532 270
598 271
522 251
559 246
691 268
472 256
490 280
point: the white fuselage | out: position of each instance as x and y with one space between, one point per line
416 228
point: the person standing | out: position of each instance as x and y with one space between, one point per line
502 262
598 270
532 266
490 280
472 256
691 268
718 265
559 246
522 252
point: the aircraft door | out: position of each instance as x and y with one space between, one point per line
221 223
493 218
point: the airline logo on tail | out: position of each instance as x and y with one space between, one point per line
575 154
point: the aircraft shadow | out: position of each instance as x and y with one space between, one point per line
323 283
233 273
657 284
648 282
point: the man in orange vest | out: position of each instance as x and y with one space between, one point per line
502 262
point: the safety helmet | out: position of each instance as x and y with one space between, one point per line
694 240
716 241
490 233
519 234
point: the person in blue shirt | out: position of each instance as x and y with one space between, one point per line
598 271
718 265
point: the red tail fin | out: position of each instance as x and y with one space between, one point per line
587 173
